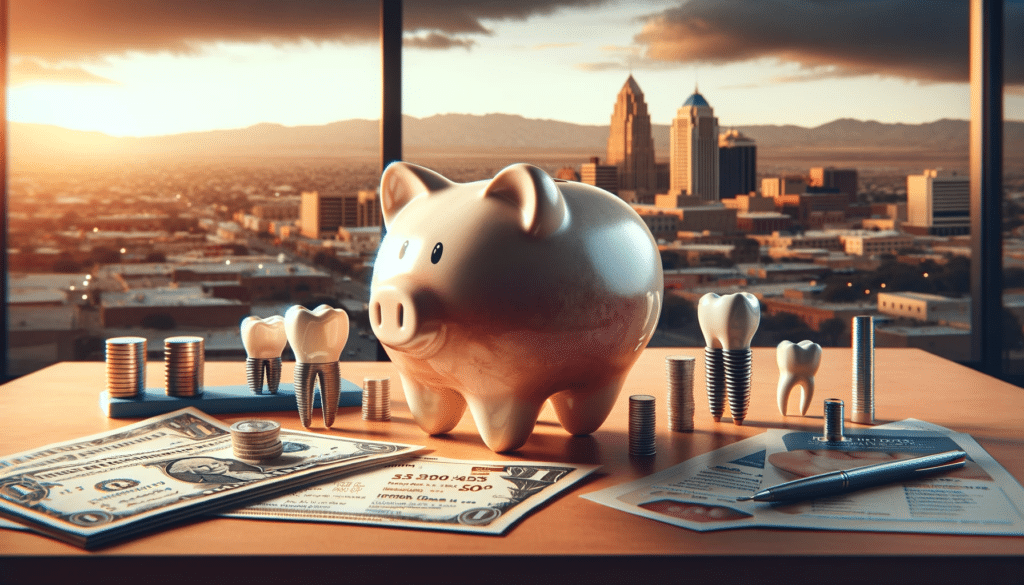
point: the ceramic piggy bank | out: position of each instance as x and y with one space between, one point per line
502 294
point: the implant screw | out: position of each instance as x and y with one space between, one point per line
259 369
834 422
714 380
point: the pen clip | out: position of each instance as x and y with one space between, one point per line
941 468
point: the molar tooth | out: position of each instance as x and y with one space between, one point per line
317 337
728 323
263 338
798 362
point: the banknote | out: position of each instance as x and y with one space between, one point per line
427 492
105 487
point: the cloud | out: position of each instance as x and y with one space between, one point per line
437 41
922 40
547 46
29 71
77 30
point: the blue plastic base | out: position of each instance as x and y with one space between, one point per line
219 400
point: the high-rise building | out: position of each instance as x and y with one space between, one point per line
737 164
832 178
938 203
693 143
320 215
604 176
630 143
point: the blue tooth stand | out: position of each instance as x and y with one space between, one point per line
219 400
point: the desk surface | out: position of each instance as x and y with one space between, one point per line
571 535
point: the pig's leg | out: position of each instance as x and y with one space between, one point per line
504 423
436 410
582 411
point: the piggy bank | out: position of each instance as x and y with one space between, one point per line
503 294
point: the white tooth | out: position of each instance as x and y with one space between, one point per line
263 338
798 362
729 321
317 336
704 310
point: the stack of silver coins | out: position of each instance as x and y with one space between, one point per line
377 399
256 440
680 392
642 425
834 421
863 370
126 366
184 360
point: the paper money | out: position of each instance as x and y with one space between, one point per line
430 493
98 489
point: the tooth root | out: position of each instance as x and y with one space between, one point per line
436 410
786 384
305 379
582 412
330 391
273 373
737 365
807 387
504 424
254 374
306 376
714 374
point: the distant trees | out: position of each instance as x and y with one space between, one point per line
950 279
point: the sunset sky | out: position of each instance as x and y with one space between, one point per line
145 67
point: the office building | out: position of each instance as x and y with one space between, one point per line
321 215
938 203
604 176
779 186
693 144
737 164
845 180
630 144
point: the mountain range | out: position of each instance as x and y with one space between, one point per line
843 141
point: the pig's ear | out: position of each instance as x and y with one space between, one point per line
540 203
403 181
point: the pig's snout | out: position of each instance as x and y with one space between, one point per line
393 317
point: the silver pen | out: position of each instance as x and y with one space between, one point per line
838 482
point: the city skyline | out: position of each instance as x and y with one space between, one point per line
126 69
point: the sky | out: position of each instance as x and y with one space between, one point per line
151 67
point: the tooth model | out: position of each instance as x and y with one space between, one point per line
264 340
317 338
728 323
798 362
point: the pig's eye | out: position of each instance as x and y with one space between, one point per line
401 253
435 255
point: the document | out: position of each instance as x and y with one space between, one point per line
95 490
700 494
430 493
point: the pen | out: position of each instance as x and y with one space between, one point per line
838 482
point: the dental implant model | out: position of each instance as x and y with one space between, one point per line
264 340
317 338
798 362
728 323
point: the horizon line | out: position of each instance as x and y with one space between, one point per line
377 121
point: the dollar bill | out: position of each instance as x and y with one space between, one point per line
427 492
112 485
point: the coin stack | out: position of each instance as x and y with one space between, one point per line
642 425
126 366
184 360
377 399
256 440
680 392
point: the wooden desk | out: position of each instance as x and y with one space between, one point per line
571 540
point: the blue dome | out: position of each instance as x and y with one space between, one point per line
696 100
